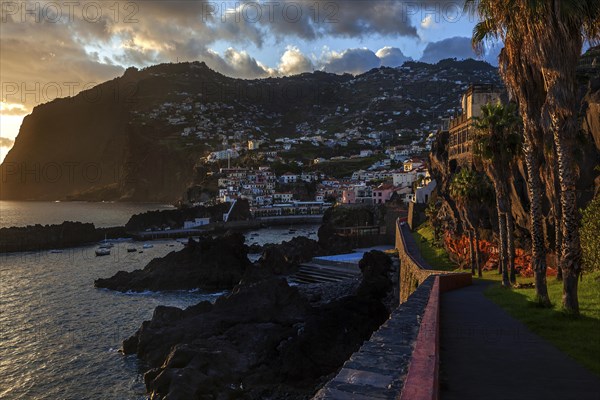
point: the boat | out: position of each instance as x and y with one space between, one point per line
131 249
292 231
102 251
105 244
147 246
55 251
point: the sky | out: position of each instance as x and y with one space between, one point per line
51 49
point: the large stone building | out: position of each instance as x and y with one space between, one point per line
461 127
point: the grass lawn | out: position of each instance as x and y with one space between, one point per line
577 336
435 256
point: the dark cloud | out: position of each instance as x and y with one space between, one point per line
349 18
42 61
6 142
454 47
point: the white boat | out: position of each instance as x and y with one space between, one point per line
105 244
101 251
147 246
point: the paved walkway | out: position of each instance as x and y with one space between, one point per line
487 354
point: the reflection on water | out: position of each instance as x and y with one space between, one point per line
23 213
59 336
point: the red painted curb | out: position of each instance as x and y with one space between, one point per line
422 378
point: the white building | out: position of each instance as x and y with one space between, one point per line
282 197
423 193
222 155
404 178
288 178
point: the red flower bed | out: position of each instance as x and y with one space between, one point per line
459 248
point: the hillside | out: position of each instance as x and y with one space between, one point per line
142 136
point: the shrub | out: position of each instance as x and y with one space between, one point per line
590 240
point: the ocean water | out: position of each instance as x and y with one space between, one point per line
60 336
23 213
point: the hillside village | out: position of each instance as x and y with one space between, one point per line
348 155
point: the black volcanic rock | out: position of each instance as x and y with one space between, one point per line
263 340
283 258
175 218
44 237
211 264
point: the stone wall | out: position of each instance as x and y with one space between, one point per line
378 369
401 359
413 269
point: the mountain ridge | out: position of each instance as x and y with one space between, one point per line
125 139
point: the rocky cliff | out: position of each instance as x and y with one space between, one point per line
140 137
587 157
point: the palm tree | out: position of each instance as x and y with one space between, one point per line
530 95
497 143
547 37
469 190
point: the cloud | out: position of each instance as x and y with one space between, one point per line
11 108
454 47
391 56
311 19
293 62
428 22
42 61
6 142
353 61
238 64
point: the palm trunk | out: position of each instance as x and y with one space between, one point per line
501 242
477 253
471 252
538 248
557 228
510 246
570 261
503 248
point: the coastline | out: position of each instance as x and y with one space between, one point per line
77 234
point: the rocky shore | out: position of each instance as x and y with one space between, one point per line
216 263
263 340
208 264
45 237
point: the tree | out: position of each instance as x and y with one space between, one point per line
545 38
497 142
469 190
431 212
590 226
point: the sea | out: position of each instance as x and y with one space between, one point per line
60 336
